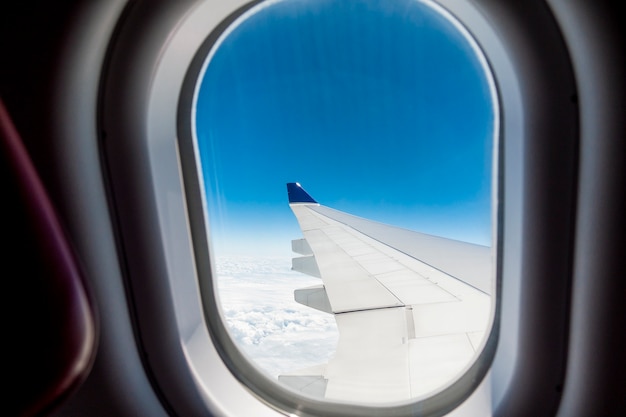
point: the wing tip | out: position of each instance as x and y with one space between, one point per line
297 194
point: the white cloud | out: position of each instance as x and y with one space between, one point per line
274 331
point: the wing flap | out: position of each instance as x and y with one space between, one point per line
370 364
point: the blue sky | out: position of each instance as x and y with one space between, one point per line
378 108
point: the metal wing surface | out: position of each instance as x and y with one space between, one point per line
411 314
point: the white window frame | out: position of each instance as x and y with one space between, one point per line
154 207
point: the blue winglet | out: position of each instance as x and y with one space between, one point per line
297 194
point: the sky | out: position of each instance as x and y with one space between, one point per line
378 108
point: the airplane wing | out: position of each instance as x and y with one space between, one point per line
411 309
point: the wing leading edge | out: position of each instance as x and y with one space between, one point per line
407 325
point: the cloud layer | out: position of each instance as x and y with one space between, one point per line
276 333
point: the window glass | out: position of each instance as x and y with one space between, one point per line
382 109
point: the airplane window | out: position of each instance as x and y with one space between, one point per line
382 118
